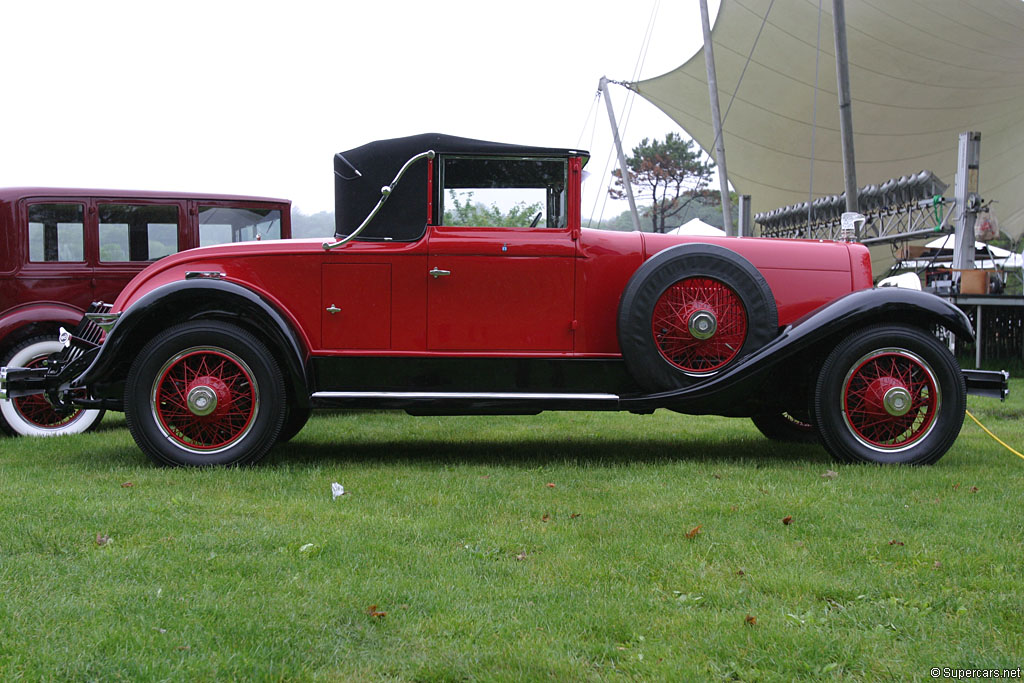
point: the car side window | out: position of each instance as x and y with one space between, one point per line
503 192
137 232
224 224
56 232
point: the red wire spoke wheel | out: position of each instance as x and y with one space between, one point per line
38 412
34 415
890 394
690 311
205 393
890 399
205 399
699 324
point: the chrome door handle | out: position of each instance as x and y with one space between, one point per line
332 309
437 272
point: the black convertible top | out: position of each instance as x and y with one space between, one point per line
360 173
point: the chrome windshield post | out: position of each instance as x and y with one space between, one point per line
385 192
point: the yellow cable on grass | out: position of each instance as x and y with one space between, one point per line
994 436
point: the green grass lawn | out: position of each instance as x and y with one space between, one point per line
524 548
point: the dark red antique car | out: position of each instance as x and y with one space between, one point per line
217 353
61 249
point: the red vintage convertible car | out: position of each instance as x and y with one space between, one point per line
217 353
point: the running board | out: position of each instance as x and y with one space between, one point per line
464 401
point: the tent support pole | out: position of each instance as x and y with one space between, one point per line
716 119
746 224
603 87
845 109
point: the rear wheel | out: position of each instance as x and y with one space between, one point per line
33 415
205 393
890 394
791 426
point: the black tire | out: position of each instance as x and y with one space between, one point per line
295 419
705 279
205 393
790 426
890 394
33 415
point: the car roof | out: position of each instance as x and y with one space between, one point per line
9 194
359 174
398 150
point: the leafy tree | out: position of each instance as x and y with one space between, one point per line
469 213
669 174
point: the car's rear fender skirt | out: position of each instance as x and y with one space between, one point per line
201 300
748 387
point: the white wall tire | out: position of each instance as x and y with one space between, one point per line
32 415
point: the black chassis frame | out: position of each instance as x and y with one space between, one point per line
772 379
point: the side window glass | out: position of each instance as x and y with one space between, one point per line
137 232
503 192
56 232
223 224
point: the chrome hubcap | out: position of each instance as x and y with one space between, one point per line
202 401
702 325
897 401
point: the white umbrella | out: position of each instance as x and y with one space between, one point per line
985 256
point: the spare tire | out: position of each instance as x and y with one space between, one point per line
689 312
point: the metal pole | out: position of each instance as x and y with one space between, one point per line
603 87
965 193
716 119
977 337
845 110
746 228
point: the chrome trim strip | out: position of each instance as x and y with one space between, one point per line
385 192
497 395
204 275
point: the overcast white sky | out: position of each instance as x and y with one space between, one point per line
256 97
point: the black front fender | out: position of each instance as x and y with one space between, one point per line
200 299
889 304
741 389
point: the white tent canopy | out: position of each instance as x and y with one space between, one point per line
921 72
696 226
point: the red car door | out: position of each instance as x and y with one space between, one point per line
500 289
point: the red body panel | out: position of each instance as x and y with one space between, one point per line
510 291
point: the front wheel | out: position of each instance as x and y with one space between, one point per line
33 415
205 393
890 394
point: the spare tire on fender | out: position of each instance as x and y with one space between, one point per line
689 312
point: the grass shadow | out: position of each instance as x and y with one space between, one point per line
759 452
